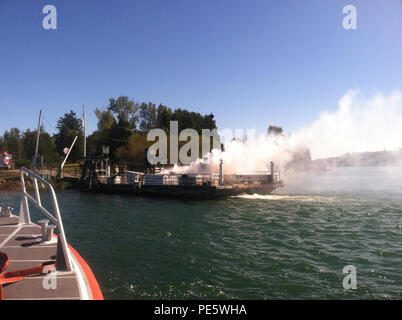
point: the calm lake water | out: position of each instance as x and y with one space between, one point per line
289 245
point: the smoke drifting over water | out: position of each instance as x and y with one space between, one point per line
358 125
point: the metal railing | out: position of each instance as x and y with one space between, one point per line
172 179
63 262
257 178
49 172
276 178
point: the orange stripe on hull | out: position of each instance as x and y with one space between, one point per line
93 283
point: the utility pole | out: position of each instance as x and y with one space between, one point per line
84 124
221 172
37 136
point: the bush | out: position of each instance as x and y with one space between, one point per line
22 163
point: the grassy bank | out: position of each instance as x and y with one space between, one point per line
10 181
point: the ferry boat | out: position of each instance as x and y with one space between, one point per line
96 176
35 263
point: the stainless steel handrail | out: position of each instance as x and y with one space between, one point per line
63 261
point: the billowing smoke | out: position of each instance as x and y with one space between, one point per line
358 125
244 157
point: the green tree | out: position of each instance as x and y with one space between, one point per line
148 116
46 148
164 115
273 130
68 127
12 143
105 119
133 151
117 126
194 120
125 109
111 132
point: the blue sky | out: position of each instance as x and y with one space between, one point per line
251 63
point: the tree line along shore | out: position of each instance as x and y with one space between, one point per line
122 126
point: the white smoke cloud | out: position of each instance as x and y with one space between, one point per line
245 157
358 125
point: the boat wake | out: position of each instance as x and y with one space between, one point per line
273 197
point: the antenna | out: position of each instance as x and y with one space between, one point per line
84 124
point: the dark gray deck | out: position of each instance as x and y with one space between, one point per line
22 243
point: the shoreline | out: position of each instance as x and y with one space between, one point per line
10 181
